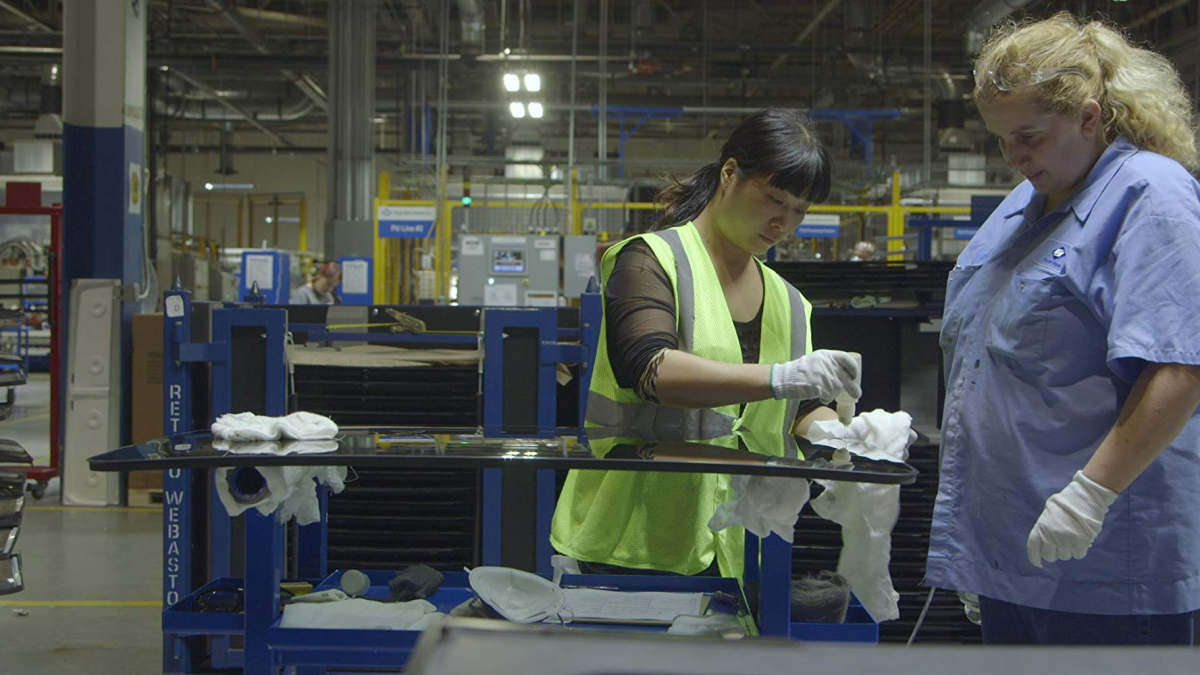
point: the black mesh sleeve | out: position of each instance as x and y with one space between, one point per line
639 310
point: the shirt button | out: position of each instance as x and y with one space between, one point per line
1022 285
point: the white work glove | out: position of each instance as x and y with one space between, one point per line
1070 522
821 375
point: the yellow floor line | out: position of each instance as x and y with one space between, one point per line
106 509
80 603
21 420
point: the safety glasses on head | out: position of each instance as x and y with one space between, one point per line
1019 75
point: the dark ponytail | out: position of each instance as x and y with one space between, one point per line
778 144
682 202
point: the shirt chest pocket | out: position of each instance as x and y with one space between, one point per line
1021 320
956 304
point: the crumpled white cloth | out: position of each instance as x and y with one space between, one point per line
301 426
723 625
290 490
306 426
360 613
867 513
274 447
762 505
245 427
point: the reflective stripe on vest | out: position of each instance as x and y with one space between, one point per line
608 418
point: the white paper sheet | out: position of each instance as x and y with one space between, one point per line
586 603
260 268
354 277
500 295
538 299
472 246
585 264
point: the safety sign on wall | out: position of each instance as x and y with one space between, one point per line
820 226
405 222
135 189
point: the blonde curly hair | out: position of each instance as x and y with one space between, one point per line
1139 91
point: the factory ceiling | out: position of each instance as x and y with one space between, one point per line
269 57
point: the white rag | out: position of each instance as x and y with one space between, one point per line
245 427
723 625
306 426
866 512
762 505
291 490
359 613
301 426
274 447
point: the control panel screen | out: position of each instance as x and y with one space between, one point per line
508 260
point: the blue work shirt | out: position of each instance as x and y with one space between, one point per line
1049 321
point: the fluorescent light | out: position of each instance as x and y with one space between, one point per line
517 109
229 186
512 82
533 82
289 219
535 110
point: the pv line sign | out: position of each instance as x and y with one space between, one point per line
405 222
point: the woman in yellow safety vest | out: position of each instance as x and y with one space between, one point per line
702 342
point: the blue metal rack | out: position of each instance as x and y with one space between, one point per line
267 646
981 208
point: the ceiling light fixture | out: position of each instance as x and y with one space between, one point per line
512 82
533 82
535 110
517 109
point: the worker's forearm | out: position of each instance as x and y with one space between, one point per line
805 422
689 381
1161 403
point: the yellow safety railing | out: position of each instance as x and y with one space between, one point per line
388 261
248 204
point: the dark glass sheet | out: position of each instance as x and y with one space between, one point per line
400 448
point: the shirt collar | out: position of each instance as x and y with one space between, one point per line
1084 199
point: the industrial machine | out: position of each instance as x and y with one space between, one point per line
523 271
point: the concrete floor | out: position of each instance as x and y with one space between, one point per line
93 577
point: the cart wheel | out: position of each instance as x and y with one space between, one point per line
38 489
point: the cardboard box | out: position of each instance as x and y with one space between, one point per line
147 376
147 383
145 480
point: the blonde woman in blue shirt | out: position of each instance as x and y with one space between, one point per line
1070 487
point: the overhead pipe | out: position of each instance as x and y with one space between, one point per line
889 70
246 115
204 111
985 15
239 23
474 26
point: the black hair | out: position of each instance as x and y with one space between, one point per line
778 144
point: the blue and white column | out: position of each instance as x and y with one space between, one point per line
104 122
104 109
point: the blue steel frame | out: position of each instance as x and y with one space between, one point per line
982 207
224 321
178 575
768 561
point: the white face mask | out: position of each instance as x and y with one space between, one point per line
518 596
